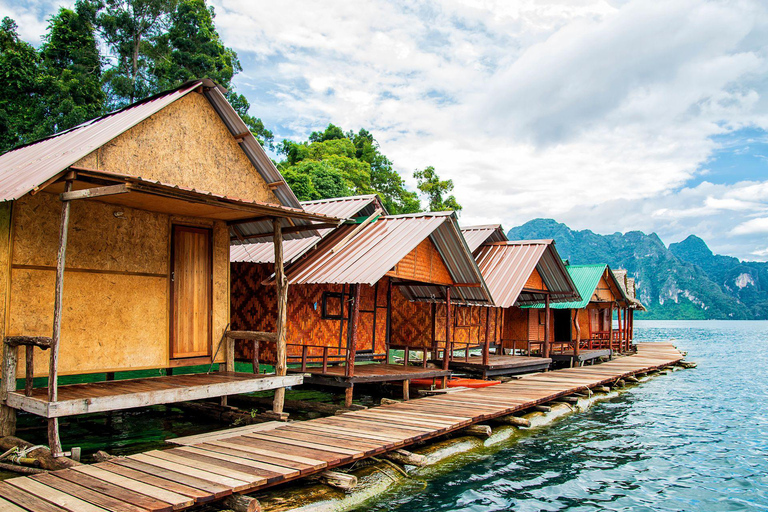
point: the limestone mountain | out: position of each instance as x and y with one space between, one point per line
682 281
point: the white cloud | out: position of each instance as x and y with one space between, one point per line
758 225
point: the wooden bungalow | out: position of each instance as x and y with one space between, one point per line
114 241
629 288
583 329
517 273
365 289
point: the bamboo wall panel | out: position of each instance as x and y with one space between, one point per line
109 321
535 281
137 241
423 264
603 292
411 322
515 328
185 144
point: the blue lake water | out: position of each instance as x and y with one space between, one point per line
690 440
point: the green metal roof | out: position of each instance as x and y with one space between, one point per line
586 278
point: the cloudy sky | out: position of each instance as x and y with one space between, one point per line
605 115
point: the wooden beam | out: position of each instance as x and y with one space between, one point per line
88 193
546 326
35 341
253 335
275 184
353 321
281 283
8 385
54 441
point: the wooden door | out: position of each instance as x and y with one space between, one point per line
191 292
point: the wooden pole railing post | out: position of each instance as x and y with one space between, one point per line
8 384
281 284
388 336
577 345
304 352
255 358
487 346
325 359
546 325
54 441
354 320
30 363
448 334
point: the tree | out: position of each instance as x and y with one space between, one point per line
20 96
70 82
131 29
431 186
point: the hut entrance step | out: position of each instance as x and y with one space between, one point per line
117 395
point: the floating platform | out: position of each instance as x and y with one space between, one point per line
374 372
584 355
213 467
117 395
457 382
501 365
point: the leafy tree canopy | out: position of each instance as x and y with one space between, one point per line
434 189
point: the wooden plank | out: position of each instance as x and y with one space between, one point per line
327 440
27 500
278 457
224 434
278 446
114 491
177 501
198 495
305 444
211 468
270 463
62 499
7 506
236 485
207 486
86 494
243 461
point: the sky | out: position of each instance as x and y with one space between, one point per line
605 115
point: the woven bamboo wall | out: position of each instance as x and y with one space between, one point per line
423 264
254 308
411 321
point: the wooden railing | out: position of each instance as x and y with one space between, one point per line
29 343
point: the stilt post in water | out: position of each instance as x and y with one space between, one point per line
281 283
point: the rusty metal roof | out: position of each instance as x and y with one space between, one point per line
363 256
479 235
507 266
340 207
25 169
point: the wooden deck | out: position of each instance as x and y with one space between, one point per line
126 394
375 372
212 468
501 365
584 355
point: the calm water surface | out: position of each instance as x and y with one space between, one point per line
690 440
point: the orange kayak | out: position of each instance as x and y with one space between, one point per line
457 383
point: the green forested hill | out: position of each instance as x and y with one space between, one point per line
682 281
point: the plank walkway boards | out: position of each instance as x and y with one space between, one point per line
584 355
126 394
219 464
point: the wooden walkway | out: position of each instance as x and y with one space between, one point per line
178 478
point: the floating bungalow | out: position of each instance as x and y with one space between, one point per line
114 256
517 273
583 329
369 286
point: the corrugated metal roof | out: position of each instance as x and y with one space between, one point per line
507 266
586 278
479 235
346 207
375 249
28 167
341 207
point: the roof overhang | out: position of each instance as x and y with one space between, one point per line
173 200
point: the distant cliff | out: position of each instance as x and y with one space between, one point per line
682 281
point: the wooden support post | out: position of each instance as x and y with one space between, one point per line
281 284
304 352
54 442
242 503
30 363
406 355
353 321
447 353
325 359
8 384
546 325
406 390
348 394
388 326
577 345
229 350
610 326
487 346
255 358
